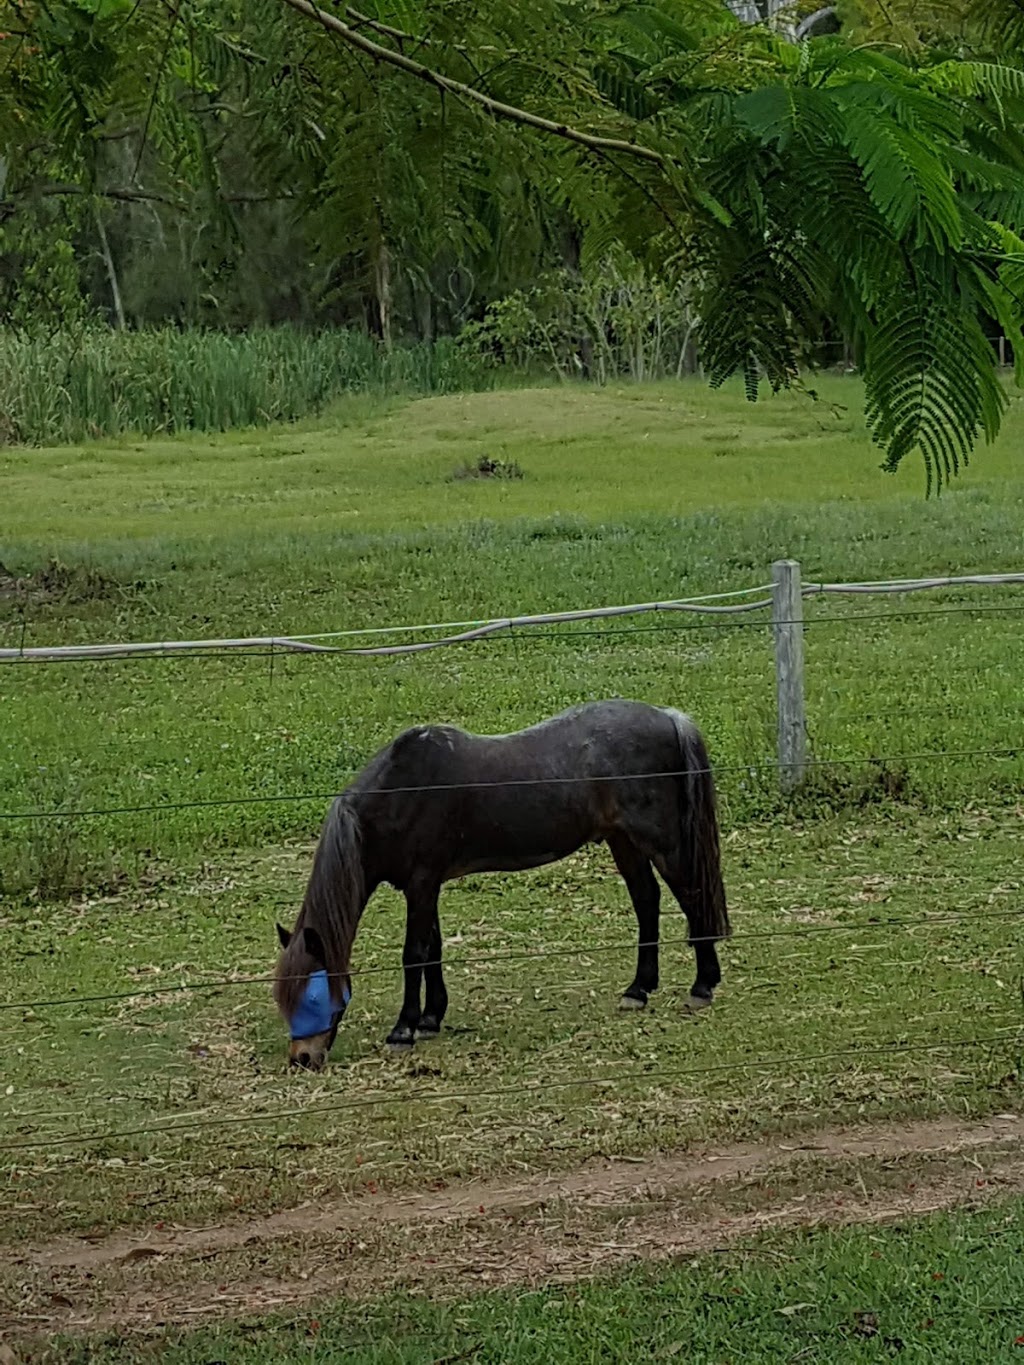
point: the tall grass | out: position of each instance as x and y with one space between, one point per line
75 385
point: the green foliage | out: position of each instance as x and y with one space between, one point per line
67 386
931 383
856 188
617 319
784 187
40 281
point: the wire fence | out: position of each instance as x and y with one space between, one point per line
756 607
784 1062
438 788
875 923
467 632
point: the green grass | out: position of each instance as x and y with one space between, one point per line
945 1288
827 1013
628 495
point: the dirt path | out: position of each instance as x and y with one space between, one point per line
487 1234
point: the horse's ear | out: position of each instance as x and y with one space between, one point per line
314 945
283 935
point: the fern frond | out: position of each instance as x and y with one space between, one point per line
974 79
930 382
842 219
752 315
1001 22
776 114
908 183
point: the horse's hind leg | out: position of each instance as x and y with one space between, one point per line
420 918
436 997
709 973
645 894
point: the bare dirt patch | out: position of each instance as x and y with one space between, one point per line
528 1232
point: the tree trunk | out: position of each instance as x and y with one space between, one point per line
384 295
108 261
424 304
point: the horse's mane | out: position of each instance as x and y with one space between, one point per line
332 906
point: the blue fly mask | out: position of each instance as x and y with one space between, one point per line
316 1011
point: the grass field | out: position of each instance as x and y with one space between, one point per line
828 1010
647 493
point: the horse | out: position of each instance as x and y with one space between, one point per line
438 803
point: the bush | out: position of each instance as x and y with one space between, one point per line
96 382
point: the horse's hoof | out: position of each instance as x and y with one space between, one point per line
401 1038
694 1003
424 1035
632 1002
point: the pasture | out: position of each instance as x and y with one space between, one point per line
876 967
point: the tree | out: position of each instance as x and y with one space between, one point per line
878 183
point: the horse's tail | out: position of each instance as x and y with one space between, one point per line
701 854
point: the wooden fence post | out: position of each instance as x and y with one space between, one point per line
788 630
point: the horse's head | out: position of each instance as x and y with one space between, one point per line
311 1005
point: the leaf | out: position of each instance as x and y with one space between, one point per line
972 79
104 9
908 183
930 379
776 114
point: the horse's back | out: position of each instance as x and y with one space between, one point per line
598 739
440 797
601 739
594 739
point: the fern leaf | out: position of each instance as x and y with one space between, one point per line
930 382
908 184
972 80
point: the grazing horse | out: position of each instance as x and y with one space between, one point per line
438 803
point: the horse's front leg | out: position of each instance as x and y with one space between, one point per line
420 916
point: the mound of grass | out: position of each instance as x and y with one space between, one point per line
489 467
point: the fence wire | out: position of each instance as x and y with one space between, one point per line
518 1092
713 604
750 766
831 1013
872 924
715 611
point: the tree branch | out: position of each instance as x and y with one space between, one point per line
127 196
495 107
399 35
10 205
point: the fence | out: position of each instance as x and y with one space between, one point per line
777 606
784 595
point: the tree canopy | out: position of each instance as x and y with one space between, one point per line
423 158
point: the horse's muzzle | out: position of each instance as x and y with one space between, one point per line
310 1054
